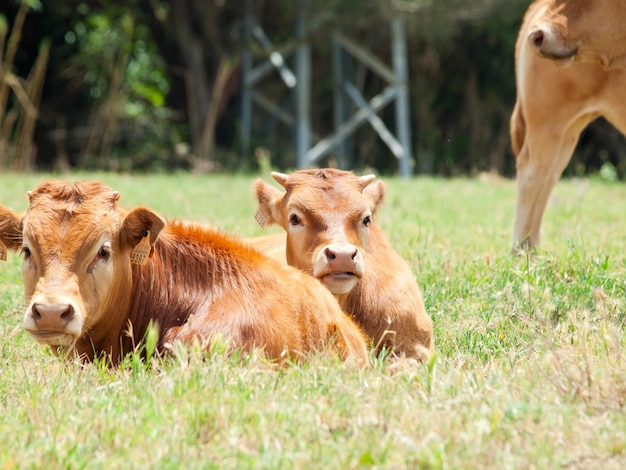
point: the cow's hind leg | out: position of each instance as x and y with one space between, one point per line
540 163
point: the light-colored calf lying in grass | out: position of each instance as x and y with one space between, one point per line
328 217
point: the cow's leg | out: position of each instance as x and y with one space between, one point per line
541 161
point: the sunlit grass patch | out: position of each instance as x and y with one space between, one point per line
529 369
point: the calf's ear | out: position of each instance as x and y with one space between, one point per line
10 231
137 223
375 193
268 198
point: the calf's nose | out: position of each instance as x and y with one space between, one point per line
336 254
51 316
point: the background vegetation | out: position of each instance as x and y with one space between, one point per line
530 370
154 84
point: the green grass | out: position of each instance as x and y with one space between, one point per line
529 373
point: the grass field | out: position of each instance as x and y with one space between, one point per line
530 370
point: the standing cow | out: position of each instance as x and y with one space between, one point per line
570 69
328 216
96 275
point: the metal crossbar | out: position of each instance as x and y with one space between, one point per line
298 80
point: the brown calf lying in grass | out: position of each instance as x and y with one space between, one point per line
96 276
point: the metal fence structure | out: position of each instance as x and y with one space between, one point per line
298 81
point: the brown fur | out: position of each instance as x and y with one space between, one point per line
386 301
554 104
198 283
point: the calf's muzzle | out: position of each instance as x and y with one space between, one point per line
52 316
339 266
339 258
54 322
341 255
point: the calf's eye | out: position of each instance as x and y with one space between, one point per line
294 220
104 253
367 220
26 252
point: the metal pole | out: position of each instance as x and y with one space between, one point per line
302 89
403 119
246 98
340 68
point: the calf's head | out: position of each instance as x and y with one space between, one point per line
77 245
327 216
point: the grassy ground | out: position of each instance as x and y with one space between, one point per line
530 370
